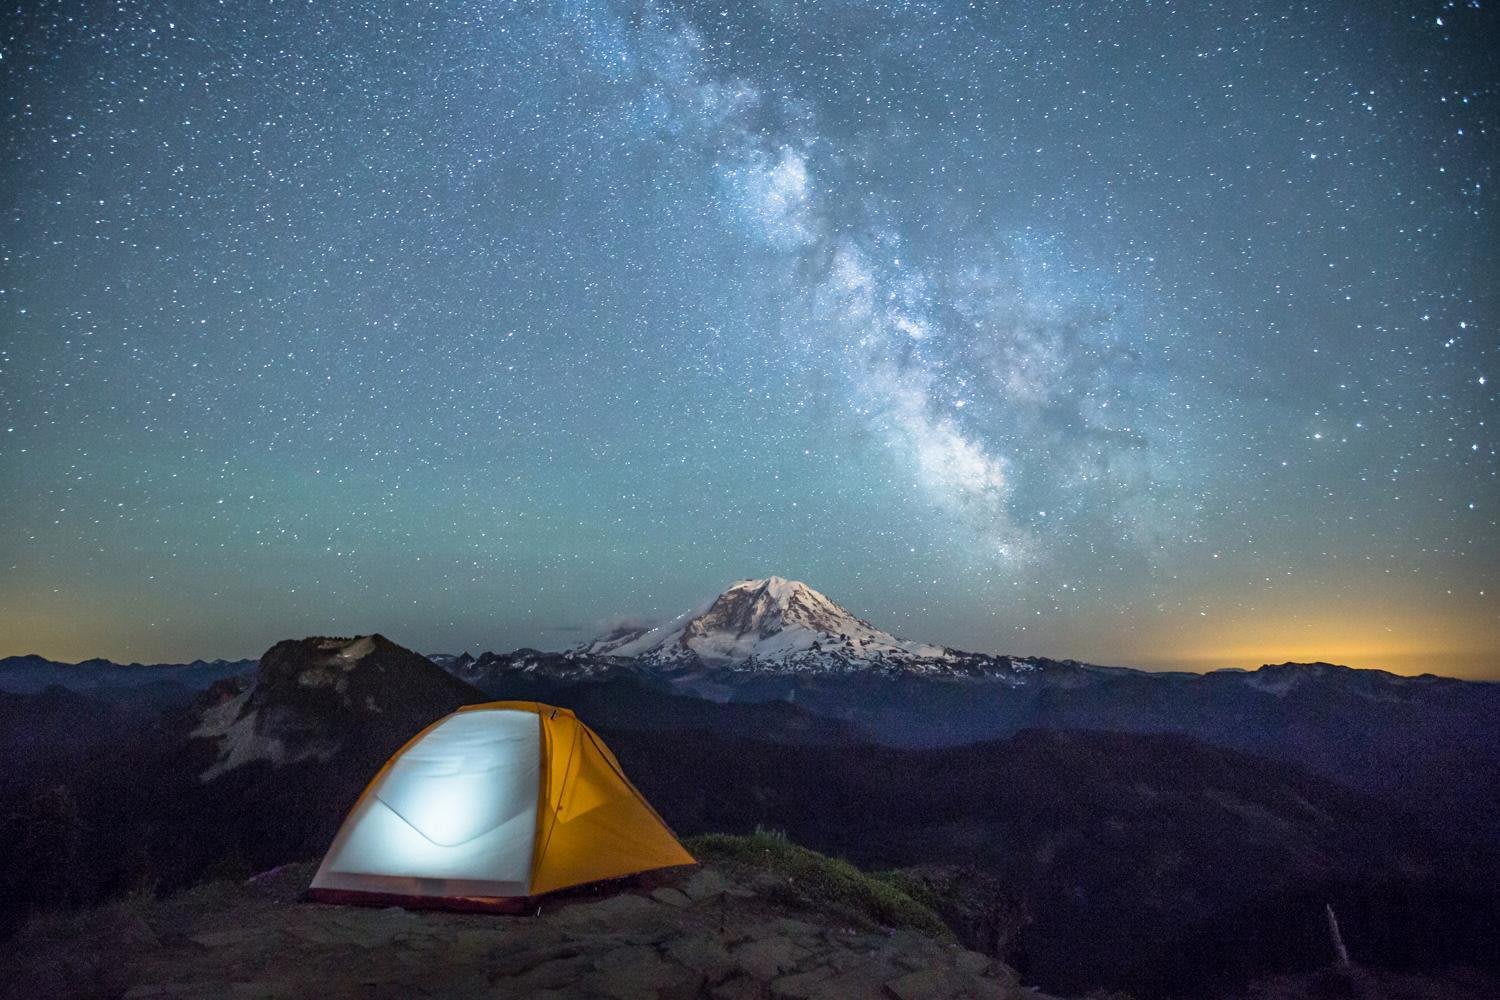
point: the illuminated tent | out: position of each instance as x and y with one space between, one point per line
491 805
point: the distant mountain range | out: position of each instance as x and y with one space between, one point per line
1428 741
29 674
755 629
1124 856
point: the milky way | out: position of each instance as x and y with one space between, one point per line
1132 332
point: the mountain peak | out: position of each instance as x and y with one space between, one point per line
767 606
779 584
778 590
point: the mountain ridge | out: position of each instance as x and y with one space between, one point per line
1426 739
757 625
1098 833
310 698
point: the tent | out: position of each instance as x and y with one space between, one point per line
490 806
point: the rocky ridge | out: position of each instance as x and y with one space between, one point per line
693 933
311 698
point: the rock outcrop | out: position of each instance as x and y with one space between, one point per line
311 698
699 933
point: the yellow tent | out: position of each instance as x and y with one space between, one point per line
492 805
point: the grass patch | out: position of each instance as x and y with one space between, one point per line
819 882
920 891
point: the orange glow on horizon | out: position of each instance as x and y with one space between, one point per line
1373 638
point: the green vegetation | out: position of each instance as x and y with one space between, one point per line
987 914
815 881
921 890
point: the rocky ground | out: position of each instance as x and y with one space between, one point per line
1356 983
706 932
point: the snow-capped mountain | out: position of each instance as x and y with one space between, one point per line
773 624
755 631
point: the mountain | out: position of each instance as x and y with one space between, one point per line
772 623
152 685
1426 741
618 698
312 698
1154 864
617 635
56 731
1121 859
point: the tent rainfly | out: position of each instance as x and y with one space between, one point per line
490 806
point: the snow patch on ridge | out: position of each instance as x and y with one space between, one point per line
239 743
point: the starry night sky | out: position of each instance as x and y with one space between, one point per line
1142 333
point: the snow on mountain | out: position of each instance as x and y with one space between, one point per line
488 668
619 633
773 623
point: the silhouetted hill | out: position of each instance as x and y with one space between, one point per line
621 700
1427 742
315 698
1118 846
